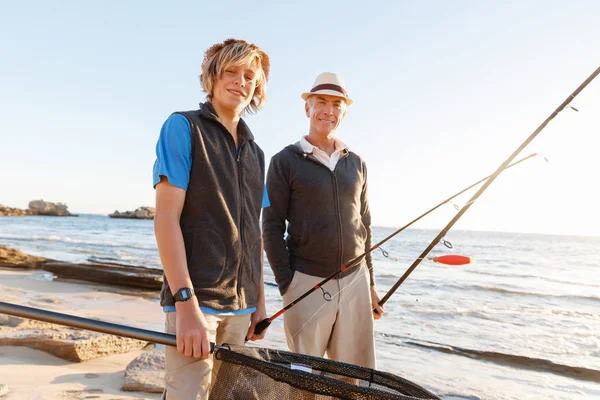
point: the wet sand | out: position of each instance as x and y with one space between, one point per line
33 374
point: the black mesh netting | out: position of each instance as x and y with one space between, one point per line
266 374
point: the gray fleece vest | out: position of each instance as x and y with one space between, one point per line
220 217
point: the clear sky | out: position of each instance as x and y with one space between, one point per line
444 92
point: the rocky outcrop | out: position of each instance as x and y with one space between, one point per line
10 257
70 344
41 207
139 213
37 207
12 212
146 373
108 274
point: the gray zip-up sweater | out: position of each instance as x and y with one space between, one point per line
220 220
329 222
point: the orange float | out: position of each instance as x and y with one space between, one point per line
452 259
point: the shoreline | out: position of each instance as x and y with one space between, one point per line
55 378
112 274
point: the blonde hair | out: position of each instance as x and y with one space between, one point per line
234 52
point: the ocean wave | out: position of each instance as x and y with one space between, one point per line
535 294
506 291
388 276
456 396
543 278
513 360
62 239
576 314
522 310
453 313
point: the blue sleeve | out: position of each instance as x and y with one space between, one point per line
174 152
265 201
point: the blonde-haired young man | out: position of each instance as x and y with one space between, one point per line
209 180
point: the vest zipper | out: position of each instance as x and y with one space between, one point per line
239 165
238 160
237 156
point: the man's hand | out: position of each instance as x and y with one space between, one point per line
192 330
377 309
257 316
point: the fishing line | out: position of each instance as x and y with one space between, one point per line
350 286
385 253
352 283
460 238
262 325
488 182
402 245
443 241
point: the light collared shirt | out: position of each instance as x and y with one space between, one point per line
322 156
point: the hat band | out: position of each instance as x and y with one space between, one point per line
329 86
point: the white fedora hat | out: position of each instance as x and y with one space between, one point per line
330 84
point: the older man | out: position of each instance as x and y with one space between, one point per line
320 188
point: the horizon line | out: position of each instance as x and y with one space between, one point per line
397 227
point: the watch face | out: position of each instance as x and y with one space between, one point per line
185 294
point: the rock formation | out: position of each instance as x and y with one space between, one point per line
70 344
12 212
139 213
108 274
146 373
37 207
41 207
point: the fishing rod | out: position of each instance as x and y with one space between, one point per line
92 325
264 324
482 189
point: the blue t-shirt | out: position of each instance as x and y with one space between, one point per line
174 161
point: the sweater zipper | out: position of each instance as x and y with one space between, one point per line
339 217
337 203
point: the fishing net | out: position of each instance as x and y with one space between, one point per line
267 374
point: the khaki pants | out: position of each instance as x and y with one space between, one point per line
189 378
342 328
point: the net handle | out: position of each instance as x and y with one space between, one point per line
93 325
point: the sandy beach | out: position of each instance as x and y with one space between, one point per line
33 374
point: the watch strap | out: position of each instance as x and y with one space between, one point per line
183 294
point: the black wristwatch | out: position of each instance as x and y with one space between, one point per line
183 294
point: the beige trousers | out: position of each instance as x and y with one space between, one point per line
342 327
189 378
